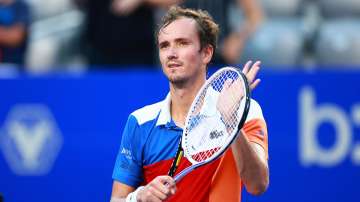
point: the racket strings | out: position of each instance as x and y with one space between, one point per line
196 120
205 140
231 99
203 155
229 119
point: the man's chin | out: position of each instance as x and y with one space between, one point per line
176 79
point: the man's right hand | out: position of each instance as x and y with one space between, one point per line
159 189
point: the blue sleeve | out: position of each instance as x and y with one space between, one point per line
128 166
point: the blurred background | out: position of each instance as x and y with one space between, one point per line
72 70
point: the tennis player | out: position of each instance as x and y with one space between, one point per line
187 40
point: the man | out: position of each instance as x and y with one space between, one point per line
186 41
14 24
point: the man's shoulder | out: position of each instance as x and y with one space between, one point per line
255 111
148 112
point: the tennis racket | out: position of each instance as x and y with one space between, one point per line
215 117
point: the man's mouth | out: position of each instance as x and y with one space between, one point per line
173 65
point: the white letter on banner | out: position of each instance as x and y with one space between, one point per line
355 112
311 117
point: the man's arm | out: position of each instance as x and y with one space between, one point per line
251 163
12 36
250 157
159 189
128 175
120 191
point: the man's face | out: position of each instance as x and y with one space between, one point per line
181 58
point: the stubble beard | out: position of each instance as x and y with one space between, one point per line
177 80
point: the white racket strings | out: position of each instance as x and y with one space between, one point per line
215 116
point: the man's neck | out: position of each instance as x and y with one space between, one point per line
181 99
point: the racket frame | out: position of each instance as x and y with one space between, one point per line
187 170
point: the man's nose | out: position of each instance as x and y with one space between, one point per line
172 53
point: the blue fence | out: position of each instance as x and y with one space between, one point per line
59 135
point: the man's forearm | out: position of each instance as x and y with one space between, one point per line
251 164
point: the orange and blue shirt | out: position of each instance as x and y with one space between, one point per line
149 144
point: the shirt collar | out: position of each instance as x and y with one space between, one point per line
165 116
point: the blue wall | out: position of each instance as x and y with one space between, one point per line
59 134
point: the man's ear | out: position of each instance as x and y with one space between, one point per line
207 53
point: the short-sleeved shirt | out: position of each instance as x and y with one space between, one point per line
149 144
12 14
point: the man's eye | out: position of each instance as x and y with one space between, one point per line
183 43
163 46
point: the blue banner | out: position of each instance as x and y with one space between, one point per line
60 134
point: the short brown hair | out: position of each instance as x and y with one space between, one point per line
208 30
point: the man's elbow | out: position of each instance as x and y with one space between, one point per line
259 187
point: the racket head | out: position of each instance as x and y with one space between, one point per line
217 113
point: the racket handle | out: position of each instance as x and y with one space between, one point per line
176 162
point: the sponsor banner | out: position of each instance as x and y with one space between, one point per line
59 134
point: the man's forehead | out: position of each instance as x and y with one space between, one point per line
181 27
183 20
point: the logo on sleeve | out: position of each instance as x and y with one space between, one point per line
126 153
